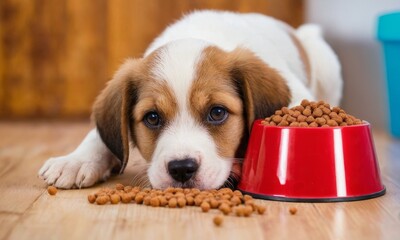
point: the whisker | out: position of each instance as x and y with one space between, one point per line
140 178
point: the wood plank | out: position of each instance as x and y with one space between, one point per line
7 222
25 153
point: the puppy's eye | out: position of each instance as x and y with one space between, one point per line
152 120
217 115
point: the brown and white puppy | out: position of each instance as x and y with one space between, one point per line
188 105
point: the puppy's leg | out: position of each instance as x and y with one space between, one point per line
86 165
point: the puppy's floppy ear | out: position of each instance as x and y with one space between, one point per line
261 87
112 110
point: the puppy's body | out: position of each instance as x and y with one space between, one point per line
189 103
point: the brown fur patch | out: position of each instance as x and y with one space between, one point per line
213 86
120 108
153 96
245 85
111 113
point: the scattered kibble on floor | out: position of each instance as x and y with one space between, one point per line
52 190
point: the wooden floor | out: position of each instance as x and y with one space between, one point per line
28 212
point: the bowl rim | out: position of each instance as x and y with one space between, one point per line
363 124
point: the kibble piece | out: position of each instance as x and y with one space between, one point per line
139 198
126 198
250 203
181 202
303 124
127 188
247 210
179 194
277 119
163 201
218 220
307 112
318 112
283 123
101 200
189 200
92 198
331 123
321 121
293 210
52 190
198 201
247 197
115 199
146 200
239 211
172 203
295 114
119 186
205 206
304 102
261 209
155 202
225 208
301 118
278 112
310 119
214 203
236 200
336 109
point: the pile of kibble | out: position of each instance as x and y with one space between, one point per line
311 114
224 199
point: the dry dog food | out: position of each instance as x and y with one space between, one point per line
293 210
225 200
218 220
311 114
52 190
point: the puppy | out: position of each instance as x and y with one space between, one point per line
188 105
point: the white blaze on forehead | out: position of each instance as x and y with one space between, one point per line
177 64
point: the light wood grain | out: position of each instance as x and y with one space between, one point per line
28 212
55 56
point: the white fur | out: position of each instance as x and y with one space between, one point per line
86 165
180 46
176 64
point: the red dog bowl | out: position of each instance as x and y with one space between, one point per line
311 164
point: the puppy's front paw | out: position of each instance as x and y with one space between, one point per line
74 171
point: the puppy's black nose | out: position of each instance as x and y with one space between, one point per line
182 170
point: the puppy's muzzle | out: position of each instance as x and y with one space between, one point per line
182 170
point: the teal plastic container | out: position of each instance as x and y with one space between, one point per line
389 35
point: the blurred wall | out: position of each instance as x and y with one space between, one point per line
56 55
350 27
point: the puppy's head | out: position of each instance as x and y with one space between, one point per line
188 107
